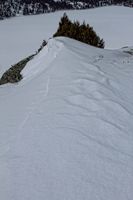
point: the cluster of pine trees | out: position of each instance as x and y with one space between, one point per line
9 8
81 32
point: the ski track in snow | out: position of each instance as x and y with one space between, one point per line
39 97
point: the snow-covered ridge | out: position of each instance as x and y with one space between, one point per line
43 60
66 129
106 21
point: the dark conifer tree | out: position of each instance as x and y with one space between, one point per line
82 32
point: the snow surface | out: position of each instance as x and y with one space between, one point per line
21 36
66 130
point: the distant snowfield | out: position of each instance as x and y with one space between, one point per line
66 130
21 36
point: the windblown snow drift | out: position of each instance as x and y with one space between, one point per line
66 130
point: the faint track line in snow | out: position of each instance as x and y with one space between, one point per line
97 141
94 114
119 104
40 96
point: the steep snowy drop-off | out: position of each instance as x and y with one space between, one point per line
66 130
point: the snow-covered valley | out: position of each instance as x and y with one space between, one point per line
66 130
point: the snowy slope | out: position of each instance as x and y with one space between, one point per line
66 130
21 36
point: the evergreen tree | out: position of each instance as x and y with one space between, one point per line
82 32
